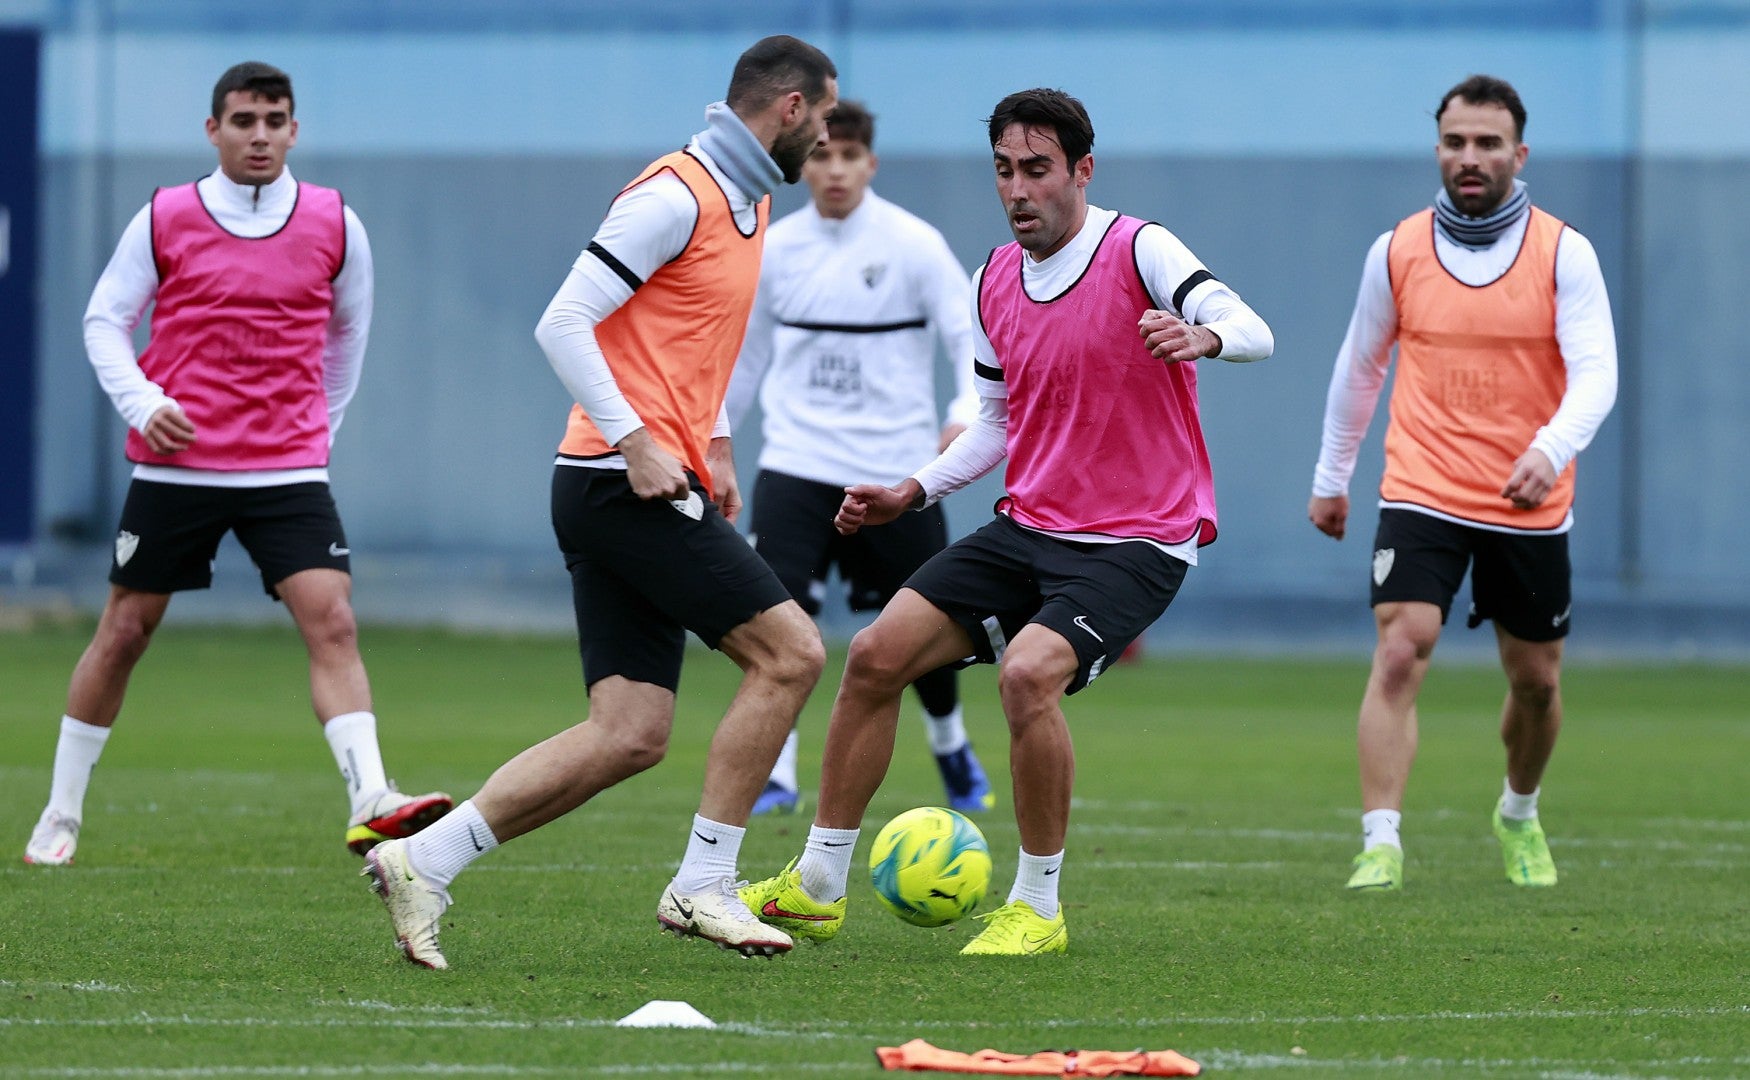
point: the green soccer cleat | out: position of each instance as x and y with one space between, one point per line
1378 869
1016 930
782 902
1525 851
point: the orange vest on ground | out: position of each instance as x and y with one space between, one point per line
672 346
1479 372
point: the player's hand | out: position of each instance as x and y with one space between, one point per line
169 431
721 458
653 472
1329 515
950 432
1173 340
873 504
1533 477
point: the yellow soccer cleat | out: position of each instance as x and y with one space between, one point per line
393 816
782 902
1378 869
1525 851
1016 930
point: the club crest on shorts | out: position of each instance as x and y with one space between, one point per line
1382 560
125 544
692 506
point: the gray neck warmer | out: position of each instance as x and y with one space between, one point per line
735 150
1480 232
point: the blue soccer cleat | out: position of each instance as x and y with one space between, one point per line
968 790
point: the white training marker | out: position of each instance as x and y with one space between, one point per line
665 1014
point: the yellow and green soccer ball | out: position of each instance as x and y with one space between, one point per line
930 866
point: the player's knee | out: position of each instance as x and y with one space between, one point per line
1031 677
1399 660
122 637
874 666
1535 689
333 624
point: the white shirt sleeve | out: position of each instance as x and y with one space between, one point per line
985 442
645 228
947 302
1359 374
1587 338
123 292
755 357
349 325
1167 265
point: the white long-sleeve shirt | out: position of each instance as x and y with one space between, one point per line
129 284
645 228
1166 266
1584 333
841 343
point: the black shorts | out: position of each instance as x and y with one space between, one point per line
793 532
169 533
1100 597
1520 581
645 571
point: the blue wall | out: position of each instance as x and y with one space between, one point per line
481 144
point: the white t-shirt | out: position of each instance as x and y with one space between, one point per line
841 344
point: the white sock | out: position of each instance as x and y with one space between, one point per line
784 772
353 738
76 754
712 850
446 847
947 733
1516 806
826 862
1036 882
1381 827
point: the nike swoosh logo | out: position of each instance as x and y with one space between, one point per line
337 551
1082 621
1050 872
841 843
1035 944
686 912
701 836
773 911
477 845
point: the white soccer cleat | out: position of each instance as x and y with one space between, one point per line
415 906
718 914
53 840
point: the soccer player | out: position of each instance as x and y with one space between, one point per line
854 295
1506 368
262 287
643 333
1088 328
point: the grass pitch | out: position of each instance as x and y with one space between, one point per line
215 926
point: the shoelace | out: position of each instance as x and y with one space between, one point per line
737 910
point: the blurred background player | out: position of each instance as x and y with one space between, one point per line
855 294
1088 328
263 297
643 333
1506 368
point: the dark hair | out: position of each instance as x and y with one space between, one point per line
851 120
257 78
1488 90
774 66
1053 109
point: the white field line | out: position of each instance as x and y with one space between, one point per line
842 1029
427 1069
1551 1068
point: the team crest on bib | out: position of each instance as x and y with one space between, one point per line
872 274
125 543
1382 560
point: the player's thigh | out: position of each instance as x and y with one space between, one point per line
793 532
1101 597
620 632
1523 583
875 562
1418 558
168 536
290 528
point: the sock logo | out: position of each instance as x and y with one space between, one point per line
478 846
708 840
